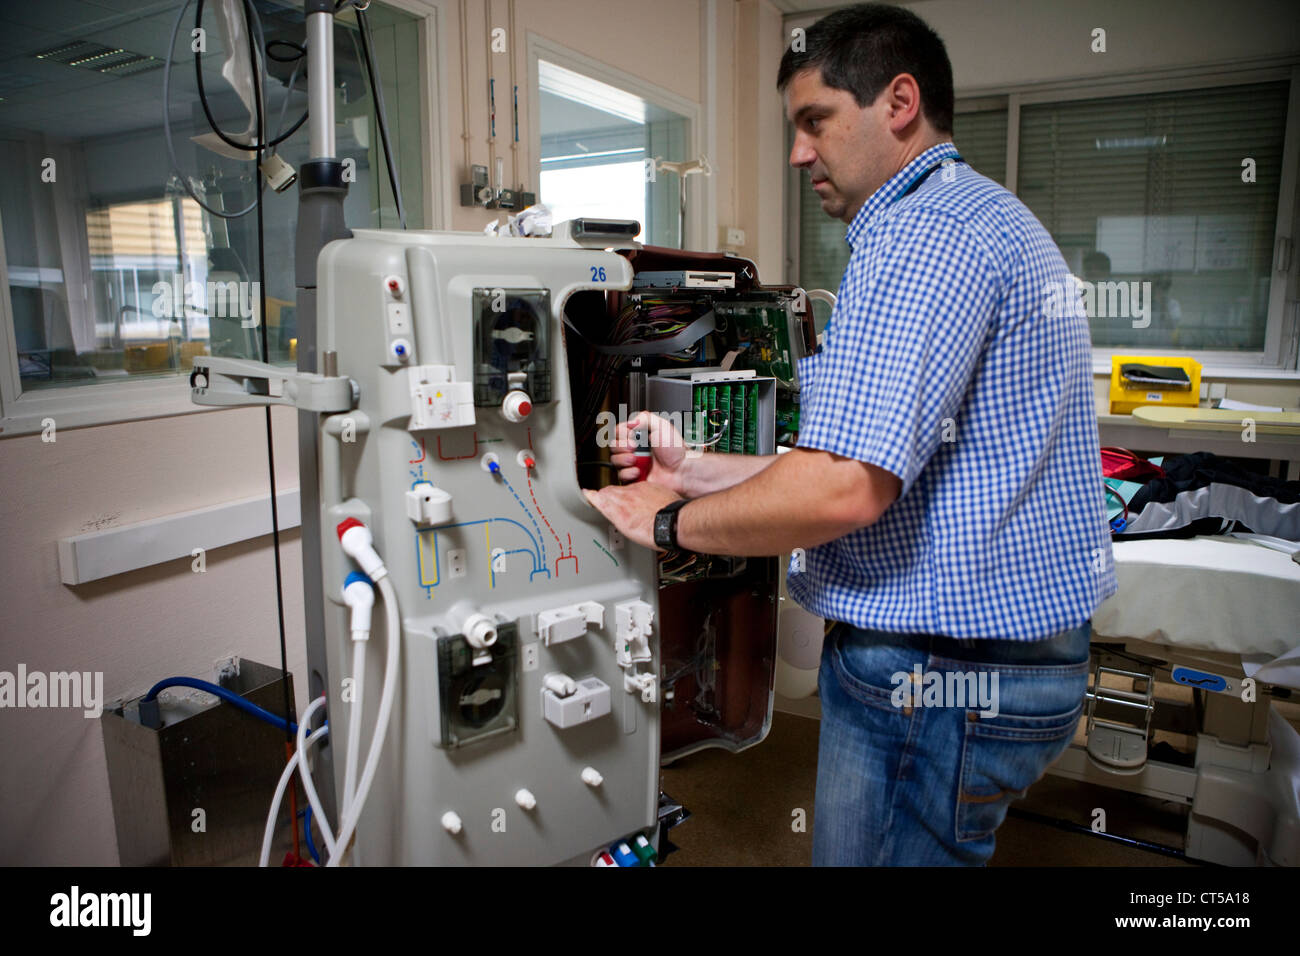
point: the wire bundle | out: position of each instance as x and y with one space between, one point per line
638 321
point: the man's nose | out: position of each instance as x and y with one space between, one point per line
801 153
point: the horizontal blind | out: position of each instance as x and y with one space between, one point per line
1149 189
981 138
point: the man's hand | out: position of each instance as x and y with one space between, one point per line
669 450
632 508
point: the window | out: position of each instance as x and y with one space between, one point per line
111 272
1143 191
598 143
1147 192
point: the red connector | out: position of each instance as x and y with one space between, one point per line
359 545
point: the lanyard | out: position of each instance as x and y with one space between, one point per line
912 187
921 177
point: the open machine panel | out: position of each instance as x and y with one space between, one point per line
548 666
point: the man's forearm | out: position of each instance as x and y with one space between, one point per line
711 472
804 499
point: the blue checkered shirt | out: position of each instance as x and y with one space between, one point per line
951 362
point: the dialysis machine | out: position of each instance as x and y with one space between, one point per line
469 388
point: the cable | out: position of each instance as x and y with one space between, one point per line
381 115
249 14
393 633
306 832
253 21
288 93
280 787
230 697
167 126
354 722
308 782
167 130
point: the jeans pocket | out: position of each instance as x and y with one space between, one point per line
1002 757
871 673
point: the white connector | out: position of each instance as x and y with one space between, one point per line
633 622
524 797
640 683
451 822
591 777
360 597
359 545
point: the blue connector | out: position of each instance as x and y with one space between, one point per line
623 855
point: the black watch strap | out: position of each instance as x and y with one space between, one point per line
666 525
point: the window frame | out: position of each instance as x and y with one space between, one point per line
700 191
113 402
1279 358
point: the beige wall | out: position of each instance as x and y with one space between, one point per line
163 621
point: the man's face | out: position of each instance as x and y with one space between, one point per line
846 148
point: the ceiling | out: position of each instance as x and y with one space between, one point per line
75 102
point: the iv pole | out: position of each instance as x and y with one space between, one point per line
321 192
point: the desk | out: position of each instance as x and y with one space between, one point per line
1167 431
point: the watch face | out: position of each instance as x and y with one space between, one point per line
664 529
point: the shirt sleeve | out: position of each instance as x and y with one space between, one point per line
914 313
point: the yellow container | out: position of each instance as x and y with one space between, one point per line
1127 395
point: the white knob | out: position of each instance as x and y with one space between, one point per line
517 406
591 777
526 799
451 822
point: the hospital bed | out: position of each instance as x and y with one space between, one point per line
1220 615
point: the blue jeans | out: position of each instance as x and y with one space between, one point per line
926 740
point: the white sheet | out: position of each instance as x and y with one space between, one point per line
1209 593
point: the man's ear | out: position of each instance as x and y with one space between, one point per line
904 101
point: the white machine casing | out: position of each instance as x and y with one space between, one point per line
463 543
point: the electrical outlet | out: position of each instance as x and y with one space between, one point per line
616 539
456 563
530 656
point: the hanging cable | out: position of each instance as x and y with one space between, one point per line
381 115
167 130
260 127
254 23
167 125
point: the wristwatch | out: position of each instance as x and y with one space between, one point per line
666 525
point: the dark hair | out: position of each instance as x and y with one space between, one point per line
862 48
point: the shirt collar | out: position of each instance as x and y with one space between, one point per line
889 193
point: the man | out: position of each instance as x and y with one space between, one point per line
947 476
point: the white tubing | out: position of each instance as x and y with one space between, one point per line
354 724
393 634
280 788
304 771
